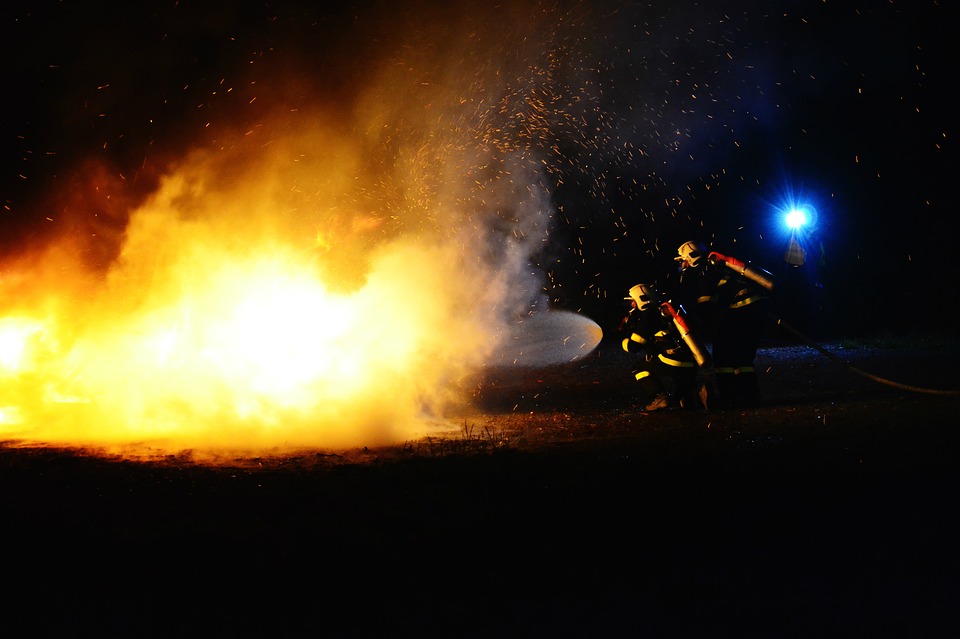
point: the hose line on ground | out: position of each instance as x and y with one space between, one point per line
821 349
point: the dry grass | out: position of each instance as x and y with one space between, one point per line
472 440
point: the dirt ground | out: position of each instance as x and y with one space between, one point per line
558 508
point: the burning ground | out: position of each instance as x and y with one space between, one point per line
242 312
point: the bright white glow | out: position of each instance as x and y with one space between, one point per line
796 218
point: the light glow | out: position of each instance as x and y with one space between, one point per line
225 327
796 218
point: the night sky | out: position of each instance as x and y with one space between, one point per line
654 122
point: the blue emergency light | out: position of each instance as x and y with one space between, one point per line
796 218
795 210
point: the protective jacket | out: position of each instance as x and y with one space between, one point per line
665 355
729 311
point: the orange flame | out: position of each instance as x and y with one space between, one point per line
220 326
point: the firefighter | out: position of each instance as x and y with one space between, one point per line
667 370
727 304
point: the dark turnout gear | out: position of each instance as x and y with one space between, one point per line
666 369
728 305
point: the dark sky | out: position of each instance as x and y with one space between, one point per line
657 122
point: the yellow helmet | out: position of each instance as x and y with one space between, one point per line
690 254
644 295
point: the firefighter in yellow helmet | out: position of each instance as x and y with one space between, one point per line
667 368
728 305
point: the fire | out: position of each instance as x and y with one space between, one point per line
301 279
222 326
16 334
257 352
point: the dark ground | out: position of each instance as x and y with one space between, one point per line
561 509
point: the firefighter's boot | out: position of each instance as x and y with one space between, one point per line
659 402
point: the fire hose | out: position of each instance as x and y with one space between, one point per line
739 267
907 387
699 353
765 280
